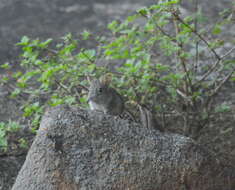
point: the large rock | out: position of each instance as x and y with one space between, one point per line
76 149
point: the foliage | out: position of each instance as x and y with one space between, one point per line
5 129
160 65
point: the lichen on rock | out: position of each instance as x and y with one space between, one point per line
80 149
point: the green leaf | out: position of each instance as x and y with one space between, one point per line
56 100
67 38
132 18
24 41
217 29
162 67
83 100
70 100
46 43
23 143
5 66
17 74
143 11
90 53
15 92
3 138
36 121
13 126
91 68
150 27
4 79
86 34
67 50
129 63
165 3
222 108
113 26
31 109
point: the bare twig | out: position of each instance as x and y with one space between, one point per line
208 102
52 51
62 86
184 96
215 65
227 53
222 83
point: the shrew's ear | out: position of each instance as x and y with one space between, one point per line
106 79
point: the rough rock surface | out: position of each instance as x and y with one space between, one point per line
76 149
12 165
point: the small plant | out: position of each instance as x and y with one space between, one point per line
23 143
3 139
161 65
5 129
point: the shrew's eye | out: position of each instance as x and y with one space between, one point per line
100 90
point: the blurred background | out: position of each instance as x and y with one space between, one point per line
55 18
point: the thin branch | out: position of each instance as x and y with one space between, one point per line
208 103
184 96
89 59
57 82
227 53
197 34
222 83
215 65
162 31
197 42
61 85
54 52
188 83
166 34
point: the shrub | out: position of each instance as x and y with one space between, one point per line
165 62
